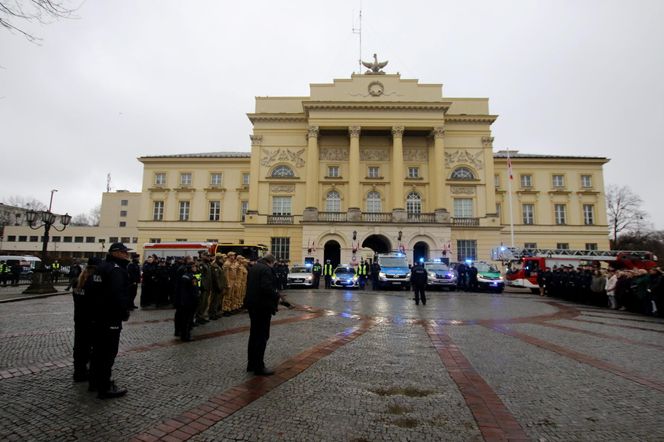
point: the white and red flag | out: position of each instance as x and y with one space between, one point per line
509 165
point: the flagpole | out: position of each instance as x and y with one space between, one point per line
509 196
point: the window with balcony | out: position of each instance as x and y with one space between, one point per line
184 210
215 211
526 181
158 211
215 179
281 205
588 214
374 204
560 213
558 181
528 211
413 172
333 172
462 173
373 172
282 172
185 179
333 201
413 203
463 207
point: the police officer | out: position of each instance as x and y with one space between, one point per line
83 330
317 270
418 280
327 274
110 307
4 273
375 272
55 269
186 300
134 271
361 273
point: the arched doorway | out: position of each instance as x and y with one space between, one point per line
332 252
377 243
420 251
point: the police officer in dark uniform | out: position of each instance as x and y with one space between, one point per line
83 329
134 271
110 307
317 270
375 271
418 280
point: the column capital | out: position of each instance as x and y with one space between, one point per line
312 132
487 141
397 131
354 131
438 132
256 140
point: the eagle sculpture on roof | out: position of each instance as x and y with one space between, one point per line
374 66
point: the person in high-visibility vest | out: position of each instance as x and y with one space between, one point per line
55 271
4 273
327 273
361 273
317 270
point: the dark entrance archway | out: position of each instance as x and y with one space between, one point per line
420 251
377 243
332 252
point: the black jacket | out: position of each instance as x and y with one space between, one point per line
110 292
261 288
418 276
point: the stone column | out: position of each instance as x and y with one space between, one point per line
254 172
437 170
397 168
354 167
312 167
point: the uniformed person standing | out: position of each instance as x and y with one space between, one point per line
55 271
83 329
226 302
362 274
418 280
327 274
110 300
218 286
205 288
186 300
4 273
317 270
243 272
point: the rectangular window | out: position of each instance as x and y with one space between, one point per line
526 181
113 239
373 172
78 239
528 213
281 205
65 239
155 240
12 238
123 224
591 246
158 211
180 239
413 172
280 247
185 179
124 240
586 181
123 213
244 206
499 209
333 171
24 238
215 210
35 238
562 246
160 179
134 239
558 181
463 207
245 179
56 238
530 245
588 214
184 210
466 249
90 239
560 213
496 181
215 179
124 202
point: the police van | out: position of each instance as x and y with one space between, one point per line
394 270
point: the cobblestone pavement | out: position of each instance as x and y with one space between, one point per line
351 366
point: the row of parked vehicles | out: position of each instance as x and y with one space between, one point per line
395 273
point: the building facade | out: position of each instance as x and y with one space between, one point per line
373 163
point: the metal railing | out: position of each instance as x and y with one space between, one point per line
465 222
280 219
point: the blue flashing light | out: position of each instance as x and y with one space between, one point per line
469 261
421 260
308 264
503 248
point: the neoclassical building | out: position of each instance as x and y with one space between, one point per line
374 163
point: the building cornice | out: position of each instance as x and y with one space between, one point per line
267 117
383 105
471 119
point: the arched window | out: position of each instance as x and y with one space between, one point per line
282 172
462 173
373 202
413 203
333 201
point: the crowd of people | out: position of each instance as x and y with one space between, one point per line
635 290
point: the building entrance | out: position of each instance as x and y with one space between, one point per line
332 252
377 243
420 252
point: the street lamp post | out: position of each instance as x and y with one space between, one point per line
41 278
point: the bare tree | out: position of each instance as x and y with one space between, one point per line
80 220
39 11
624 211
95 215
25 202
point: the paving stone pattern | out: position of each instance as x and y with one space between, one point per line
351 366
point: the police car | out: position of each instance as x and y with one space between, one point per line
300 276
440 275
344 276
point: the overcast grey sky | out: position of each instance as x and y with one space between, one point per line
131 78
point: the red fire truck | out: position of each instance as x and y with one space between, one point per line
186 248
524 264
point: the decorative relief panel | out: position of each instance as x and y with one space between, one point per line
453 157
334 154
462 190
282 188
374 154
271 157
416 154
